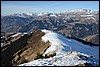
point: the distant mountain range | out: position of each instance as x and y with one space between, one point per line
72 23
34 14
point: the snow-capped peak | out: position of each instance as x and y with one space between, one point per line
31 13
16 14
78 11
28 14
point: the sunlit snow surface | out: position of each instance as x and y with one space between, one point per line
64 59
65 44
58 60
61 45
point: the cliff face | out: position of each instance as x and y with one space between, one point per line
24 49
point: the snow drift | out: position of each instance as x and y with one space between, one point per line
60 45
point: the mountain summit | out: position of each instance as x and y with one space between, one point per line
67 52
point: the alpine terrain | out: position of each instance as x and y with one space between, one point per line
67 38
48 48
79 23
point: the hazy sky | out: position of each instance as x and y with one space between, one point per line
9 7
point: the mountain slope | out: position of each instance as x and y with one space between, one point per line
23 49
70 22
61 45
92 38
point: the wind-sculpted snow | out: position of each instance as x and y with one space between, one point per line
61 44
64 56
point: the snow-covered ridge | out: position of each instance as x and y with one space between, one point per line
56 44
61 46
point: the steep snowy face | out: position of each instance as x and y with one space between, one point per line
57 45
60 44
